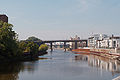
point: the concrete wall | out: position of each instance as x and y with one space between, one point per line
104 50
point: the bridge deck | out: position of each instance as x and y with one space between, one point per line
64 41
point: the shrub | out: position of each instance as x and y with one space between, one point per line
43 48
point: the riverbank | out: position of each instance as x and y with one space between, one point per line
30 57
23 58
107 53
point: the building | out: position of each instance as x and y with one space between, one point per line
114 42
72 44
3 18
104 41
111 42
94 40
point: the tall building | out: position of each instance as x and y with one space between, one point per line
3 18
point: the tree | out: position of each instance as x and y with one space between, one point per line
22 46
29 47
12 49
8 41
43 48
32 48
33 39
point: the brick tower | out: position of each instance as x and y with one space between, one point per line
3 18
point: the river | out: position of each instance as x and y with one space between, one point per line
60 65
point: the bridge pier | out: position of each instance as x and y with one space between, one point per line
76 46
51 46
86 43
65 46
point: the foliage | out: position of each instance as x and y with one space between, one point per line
9 47
32 48
22 46
12 49
29 47
33 39
43 48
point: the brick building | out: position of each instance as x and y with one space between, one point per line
3 18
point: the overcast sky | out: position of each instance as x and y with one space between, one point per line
62 19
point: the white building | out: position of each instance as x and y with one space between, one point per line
114 42
94 41
104 41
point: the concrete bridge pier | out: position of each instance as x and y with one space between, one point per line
86 43
65 46
51 46
76 46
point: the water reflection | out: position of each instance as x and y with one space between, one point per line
10 71
100 62
30 66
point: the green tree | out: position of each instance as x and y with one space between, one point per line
33 39
22 46
8 41
43 48
32 48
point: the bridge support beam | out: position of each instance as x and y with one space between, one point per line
86 43
65 46
76 46
51 46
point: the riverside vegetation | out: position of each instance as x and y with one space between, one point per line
11 49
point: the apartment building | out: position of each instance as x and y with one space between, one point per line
104 41
95 40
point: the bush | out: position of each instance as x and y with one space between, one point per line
9 47
43 48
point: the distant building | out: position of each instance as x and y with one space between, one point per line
114 42
3 18
79 44
104 41
95 39
72 44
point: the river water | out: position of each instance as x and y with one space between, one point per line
60 65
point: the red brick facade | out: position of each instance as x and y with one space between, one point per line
3 18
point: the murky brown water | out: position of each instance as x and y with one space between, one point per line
60 65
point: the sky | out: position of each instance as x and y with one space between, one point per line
62 19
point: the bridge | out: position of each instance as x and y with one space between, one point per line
65 41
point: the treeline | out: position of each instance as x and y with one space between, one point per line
12 49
